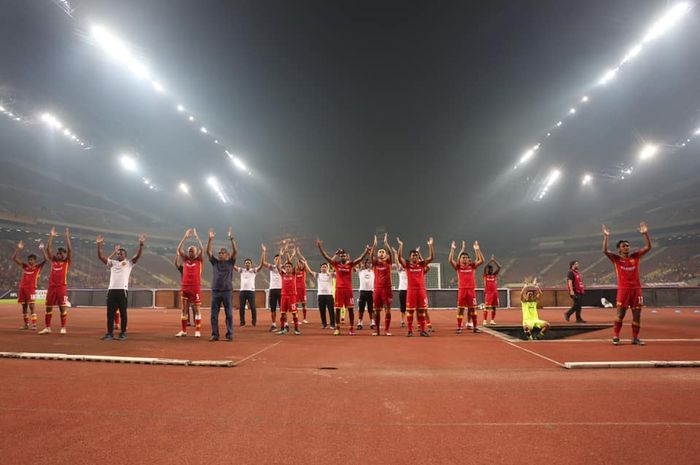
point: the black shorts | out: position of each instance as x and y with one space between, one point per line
274 299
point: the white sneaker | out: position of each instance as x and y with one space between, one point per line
197 334
372 325
306 322
181 334
63 331
45 331
470 325
493 322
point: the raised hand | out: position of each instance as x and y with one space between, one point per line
605 231
430 241
464 244
230 233
20 245
319 243
262 246
194 233
368 248
142 239
188 233
41 245
476 245
100 239
399 241
212 233
643 228
117 247
386 237
453 245
493 257
67 232
52 233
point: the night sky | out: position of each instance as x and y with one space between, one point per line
355 116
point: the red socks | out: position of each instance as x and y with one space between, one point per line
486 315
197 323
25 316
387 322
295 318
303 311
473 312
460 319
409 321
64 318
421 322
183 321
47 319
616 328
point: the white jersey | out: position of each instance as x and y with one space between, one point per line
403 279
366 280
119 273
247 279
275 278
324 282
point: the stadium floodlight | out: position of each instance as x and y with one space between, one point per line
180 108
536 146
633 52
584 99
147 181
559 123
549 134
216 141
668 20
553 177
2 109
157 86
214 184
118 50
184 188
239 164
128 162
587 179
191 118
608 76
572 111
648 151
697 132
204 130
526 156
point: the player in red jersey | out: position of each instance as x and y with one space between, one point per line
288 301
57 293
27 287
417 296
491 289
302 268
466 274
343 267
383 293
629 287
191 287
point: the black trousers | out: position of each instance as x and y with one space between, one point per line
575 307
274 298
243 297
366 298
116 299
402 300
326 303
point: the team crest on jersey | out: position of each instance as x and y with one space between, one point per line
123 263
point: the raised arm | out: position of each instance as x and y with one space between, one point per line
538 291
234 246
278 260
431 251
451 257
324 254
48 251
495 262
69 246
644 229
606 235
210 238
479 256
200 256
180 246
522 292
139 251
20 246
359 259
373 250
399 253
305 262
177 261
263 251
100 242
387 247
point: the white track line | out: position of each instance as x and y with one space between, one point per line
258 352
535 353
559 341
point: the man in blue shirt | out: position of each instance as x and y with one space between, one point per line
221 285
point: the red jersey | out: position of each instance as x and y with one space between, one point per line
416 275
30 275
467 276
382 274
191 273
59 273
490 282
301 279
343 275
576 281
289 284
627 270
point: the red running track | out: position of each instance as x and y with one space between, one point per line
445 399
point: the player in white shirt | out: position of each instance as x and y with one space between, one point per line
275 290
403 287
247 292
366 276
117 293
324 285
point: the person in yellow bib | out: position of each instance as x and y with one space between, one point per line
529 298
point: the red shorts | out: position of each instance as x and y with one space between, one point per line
491 299
382 298
416 298
26 295
57 295
630 298
343 298
288 303
192 295
301 296
466 298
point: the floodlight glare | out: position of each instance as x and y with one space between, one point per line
184 188
608 76
536 146
191 118
586 180
668 20
239 164
553 177
648 151
634 51
559 123
157 86
2 109
584 99
119 51
204 130
572 111
697 132
527 155
128 163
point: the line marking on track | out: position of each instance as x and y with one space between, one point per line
635 364
258 352
559 341
535 354
115 359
